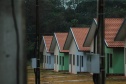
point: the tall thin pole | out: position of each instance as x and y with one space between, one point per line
37 71
100 39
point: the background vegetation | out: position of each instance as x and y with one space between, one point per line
53 17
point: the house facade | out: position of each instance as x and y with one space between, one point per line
121 36
77 53
48 57
114 50
61 57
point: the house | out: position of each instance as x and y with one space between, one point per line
114 50
121 36
61 57
77 53
48 57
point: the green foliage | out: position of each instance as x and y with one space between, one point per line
53 17
74 22
116 9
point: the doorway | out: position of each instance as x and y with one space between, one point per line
107 63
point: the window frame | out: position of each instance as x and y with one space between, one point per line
77 60
82 65
63 60
57 59
73 59
111 64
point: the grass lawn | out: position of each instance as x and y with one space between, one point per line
51 77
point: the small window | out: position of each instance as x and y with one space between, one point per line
63 61
60 60
54 59
57 59
82 61
77 60
111 60
73 59
50 60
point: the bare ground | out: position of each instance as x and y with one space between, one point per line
51 77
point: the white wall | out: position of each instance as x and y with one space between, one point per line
44 55
56 53
80 68
92 46
72 50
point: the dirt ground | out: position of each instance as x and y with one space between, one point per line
51 77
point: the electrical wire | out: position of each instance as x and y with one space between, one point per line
17 40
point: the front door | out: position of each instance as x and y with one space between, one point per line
107 63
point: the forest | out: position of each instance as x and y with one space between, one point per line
54 17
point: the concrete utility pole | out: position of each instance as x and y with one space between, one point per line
100 39
37 70
12 45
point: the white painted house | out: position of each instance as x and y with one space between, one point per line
121 36
61 57
77 53
48 57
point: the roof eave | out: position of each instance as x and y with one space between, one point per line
121 35
57 42
52 46
42 45
67 42
90 36
74 39
45 43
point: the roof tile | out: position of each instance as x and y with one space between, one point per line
61 37
80 36
112 26
48 40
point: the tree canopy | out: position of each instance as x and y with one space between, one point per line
53 17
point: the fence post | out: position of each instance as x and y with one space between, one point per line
12 42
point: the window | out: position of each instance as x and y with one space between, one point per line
63 61
54 59
82 61
108 63
60 60
73 59
70 56
77 60
49 59
57 59
111 60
